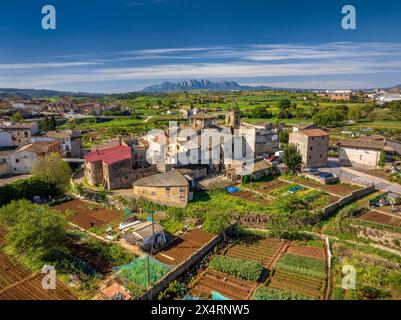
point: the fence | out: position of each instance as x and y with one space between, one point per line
355 195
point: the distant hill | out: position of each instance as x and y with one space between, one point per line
189 85
34 93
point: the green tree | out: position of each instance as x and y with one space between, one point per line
49 124
292 158
17 116
382 159
216 222
37 232
284 114
283 137
53 170
355 113
259 112
284 104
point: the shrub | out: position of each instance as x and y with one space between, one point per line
244 269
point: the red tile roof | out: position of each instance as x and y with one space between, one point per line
109 155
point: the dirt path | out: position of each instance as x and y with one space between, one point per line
278 255
148 118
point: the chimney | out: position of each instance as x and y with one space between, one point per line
120 141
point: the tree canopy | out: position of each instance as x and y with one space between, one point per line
292 157
53 170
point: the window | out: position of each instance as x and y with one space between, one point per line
311 148
321 156
17 160
310 157
168 189
183 190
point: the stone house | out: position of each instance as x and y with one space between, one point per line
21 132
255 169
110 167
169 188
313 144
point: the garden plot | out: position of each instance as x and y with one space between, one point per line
256 248
183 246
302 270
339 190
31 289
249 196
267 187
231 287
381 218
86 214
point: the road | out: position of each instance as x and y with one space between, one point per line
351 175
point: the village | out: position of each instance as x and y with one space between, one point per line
210 205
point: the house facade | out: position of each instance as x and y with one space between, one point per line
21 132
313 144
360 153
71 141
169 188
110 167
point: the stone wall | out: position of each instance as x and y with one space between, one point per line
355 195
186 265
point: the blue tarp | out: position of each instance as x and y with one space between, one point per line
218 296
232 189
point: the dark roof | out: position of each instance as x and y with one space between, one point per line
38 147
166 179
362 144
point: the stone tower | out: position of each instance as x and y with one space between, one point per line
233 118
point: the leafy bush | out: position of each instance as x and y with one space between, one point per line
112 253
174 289
244 269
262 293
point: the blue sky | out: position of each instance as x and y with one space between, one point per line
125 45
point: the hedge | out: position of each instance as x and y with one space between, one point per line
244 269
26 189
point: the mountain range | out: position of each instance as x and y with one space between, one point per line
35 93
189 85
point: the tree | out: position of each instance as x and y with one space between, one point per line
355 113
284 104
216 223
17 116
292 158
284 114
49 124
382 160
259 112
37 231
283 137
53 170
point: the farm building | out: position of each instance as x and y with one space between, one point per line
169 188
142 235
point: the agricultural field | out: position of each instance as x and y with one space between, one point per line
377 272
230 287
381 218
182 247
301 270
339 189
87 215
256 248
249 196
